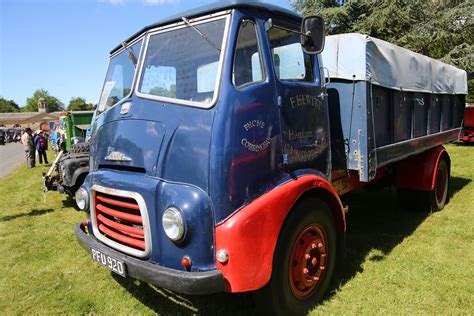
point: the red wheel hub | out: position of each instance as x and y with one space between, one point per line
307 261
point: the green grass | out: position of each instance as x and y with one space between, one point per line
397 262
403 263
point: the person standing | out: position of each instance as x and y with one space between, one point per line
41 145
28 145
36 136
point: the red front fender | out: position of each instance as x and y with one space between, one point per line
249 236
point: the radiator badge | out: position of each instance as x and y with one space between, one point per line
117 156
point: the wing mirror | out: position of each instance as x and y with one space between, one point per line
313 39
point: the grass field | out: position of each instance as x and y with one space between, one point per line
397 262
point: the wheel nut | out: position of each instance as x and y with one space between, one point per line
322 267
313 245
316 278
307 256
320 245
305 271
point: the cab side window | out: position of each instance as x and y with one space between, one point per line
247 67
289 60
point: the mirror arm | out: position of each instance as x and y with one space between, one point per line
269 24
329 78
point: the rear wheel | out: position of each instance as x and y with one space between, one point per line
428 201
439 195
303 263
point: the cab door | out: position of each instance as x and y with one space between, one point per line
302 103
248 125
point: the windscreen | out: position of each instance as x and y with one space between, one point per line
183 65
119 78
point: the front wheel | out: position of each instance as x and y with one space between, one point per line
303 263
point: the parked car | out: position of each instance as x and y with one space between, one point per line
71 166
68 171
2 137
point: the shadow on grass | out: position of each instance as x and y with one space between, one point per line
69 201
34 212
462 143
456 184
375 224
165 302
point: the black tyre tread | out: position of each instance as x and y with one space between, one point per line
435 206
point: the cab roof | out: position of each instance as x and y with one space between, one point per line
212 8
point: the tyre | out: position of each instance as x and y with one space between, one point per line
71 191
303 262
439 195
428 201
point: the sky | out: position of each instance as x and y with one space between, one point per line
63 45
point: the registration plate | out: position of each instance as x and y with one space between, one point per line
114 264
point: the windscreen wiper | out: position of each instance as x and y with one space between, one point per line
200 33
131 55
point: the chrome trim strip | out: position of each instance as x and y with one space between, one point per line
143 212
175 26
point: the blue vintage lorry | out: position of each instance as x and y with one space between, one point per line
220 152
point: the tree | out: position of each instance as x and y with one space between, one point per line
338 18
164 92
79 104
52 103
8 106
441 29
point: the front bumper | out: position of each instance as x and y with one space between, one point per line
194 283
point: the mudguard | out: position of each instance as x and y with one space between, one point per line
250 235
74 166
418 172
83 171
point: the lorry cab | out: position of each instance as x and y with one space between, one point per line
211 158
201 114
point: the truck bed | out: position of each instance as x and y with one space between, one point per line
379 126
377 116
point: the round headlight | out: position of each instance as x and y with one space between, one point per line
173 224
82 199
